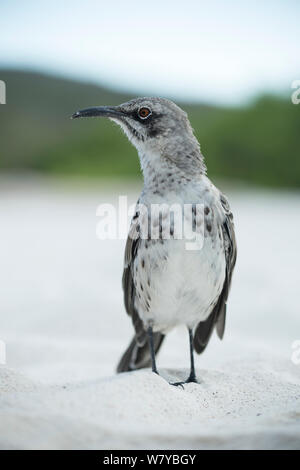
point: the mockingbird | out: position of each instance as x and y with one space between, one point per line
165 284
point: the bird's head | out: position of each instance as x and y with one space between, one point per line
155 126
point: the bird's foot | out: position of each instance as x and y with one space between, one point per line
178 384
192 379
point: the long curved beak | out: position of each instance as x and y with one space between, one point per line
104 111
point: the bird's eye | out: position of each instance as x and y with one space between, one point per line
144 113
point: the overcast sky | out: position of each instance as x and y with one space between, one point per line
212 51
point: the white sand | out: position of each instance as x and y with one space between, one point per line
64 324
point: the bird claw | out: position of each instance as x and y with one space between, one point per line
178 384
191 379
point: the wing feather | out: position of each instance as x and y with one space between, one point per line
132 244
218 316
137 355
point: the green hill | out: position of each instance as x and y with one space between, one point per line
256 144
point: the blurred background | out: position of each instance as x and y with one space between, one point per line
230 65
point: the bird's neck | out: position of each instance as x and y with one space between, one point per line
171 169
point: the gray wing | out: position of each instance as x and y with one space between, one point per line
218 316
137 355
132 244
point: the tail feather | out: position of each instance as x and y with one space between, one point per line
138 356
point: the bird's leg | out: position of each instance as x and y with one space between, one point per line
152 352
192 376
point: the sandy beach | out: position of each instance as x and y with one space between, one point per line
64 325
